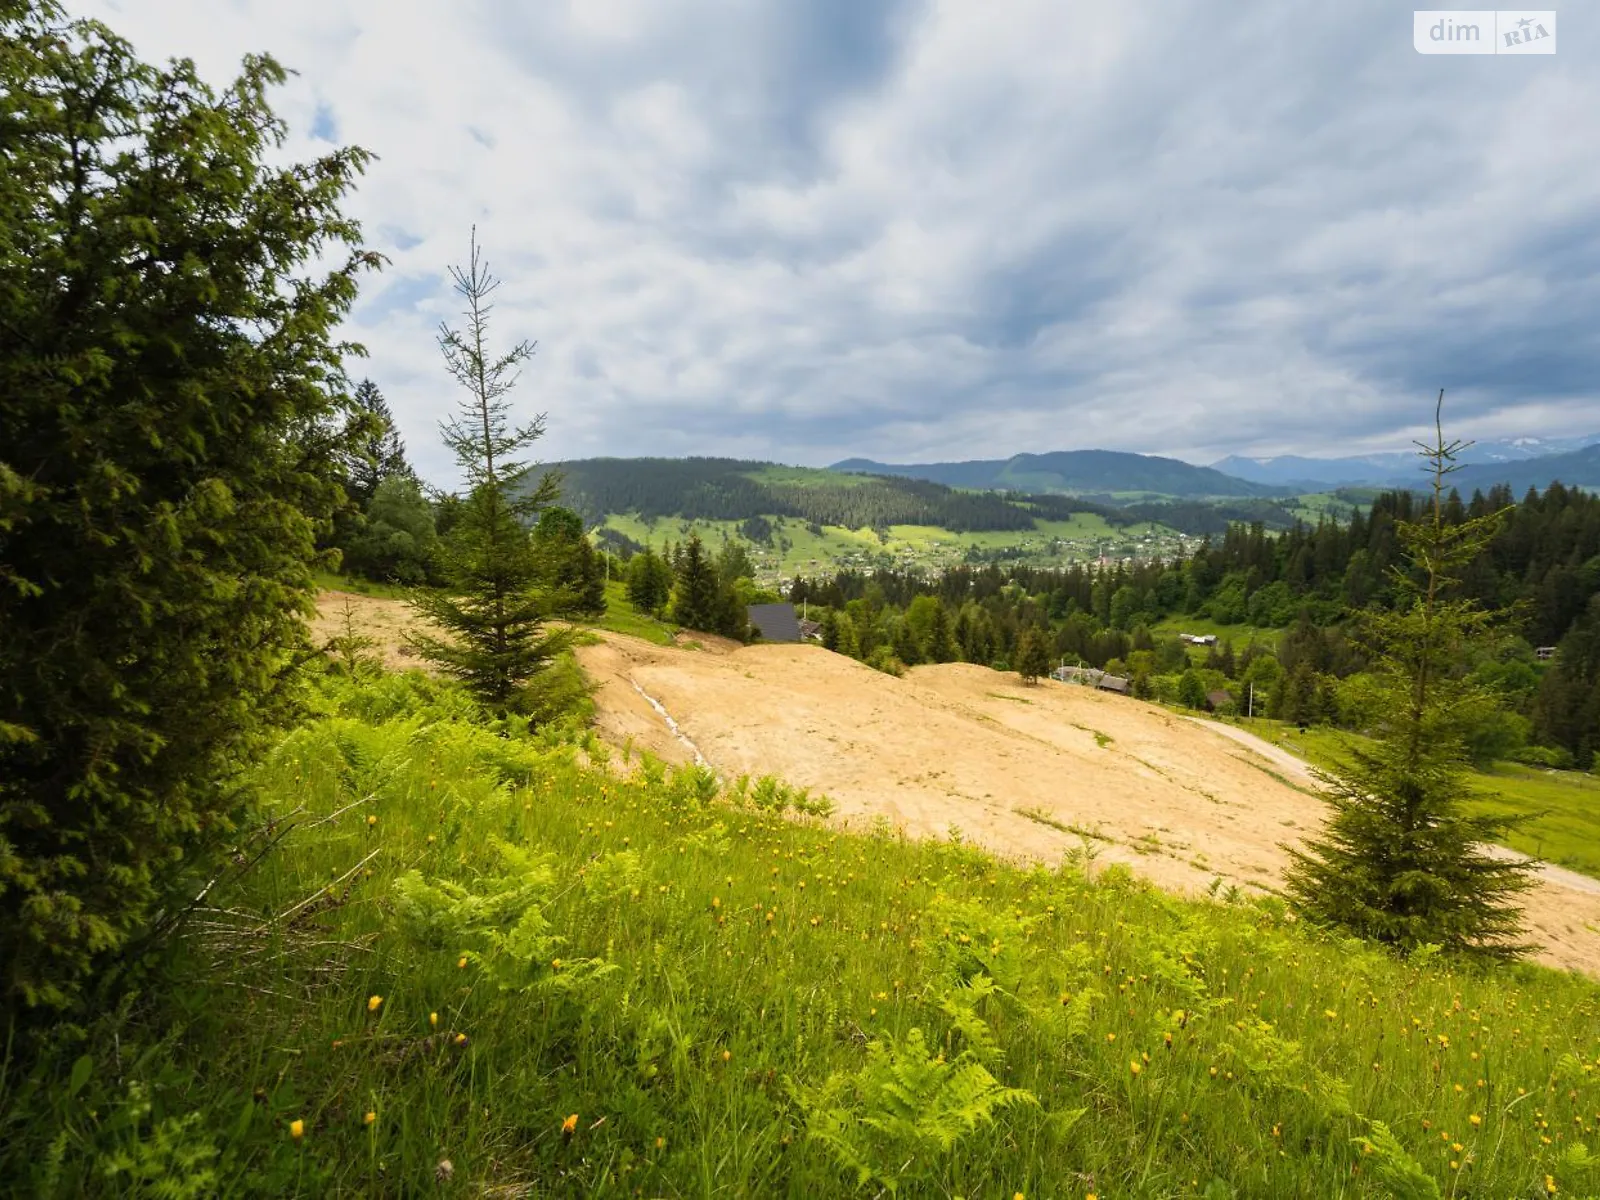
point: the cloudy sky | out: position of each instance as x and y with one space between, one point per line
802 230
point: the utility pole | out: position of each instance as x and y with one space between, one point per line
1252 711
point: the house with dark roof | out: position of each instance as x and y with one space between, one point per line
775 622
1113 683
1218 699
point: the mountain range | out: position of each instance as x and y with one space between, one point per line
1088 472
1520 462
1403 468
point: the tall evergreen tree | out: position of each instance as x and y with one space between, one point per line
1033 656
1399 861
572 569
170 392
649 582
380 452
695 603
493 613
830 630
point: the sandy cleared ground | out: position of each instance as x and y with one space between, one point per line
384 621
1032 773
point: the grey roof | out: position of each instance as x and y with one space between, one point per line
1113 683
776 622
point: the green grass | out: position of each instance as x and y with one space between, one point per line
1565 808
812 477
1314 505
796 550
622 617
1239 635
331 581
1562 807
477 938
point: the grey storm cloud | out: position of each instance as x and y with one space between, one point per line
935 230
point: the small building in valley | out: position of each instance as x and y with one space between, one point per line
1218 700
775 622
1545 653
1199 639
1113 683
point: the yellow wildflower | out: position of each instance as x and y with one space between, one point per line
373 1002
569 1126
369 1118
297 1129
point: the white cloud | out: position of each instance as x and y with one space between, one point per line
803 232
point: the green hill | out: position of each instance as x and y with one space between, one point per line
1097 472
471 964
808 519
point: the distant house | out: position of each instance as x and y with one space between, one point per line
775 622
1545 653
1090 677
1199 639
1218 699
810 631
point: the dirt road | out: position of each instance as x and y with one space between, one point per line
1032 773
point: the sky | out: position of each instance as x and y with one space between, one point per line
915 230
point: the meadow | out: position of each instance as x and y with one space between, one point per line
1560 810
925 547
455 959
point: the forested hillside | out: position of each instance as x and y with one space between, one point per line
1101 472
729 489
1543 565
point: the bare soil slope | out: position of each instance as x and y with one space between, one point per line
1026 771
1029 772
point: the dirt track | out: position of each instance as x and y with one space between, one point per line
1030 772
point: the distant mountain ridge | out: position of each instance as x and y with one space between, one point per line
1402 468
1580 468
1095 472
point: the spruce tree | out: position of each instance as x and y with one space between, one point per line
380 453
493 612
649 582
941 641
1399 861
573 572
830 631
696 604
171 401
1033 656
